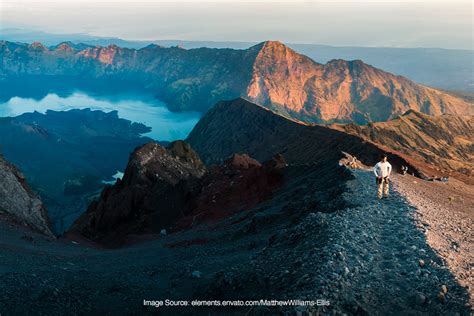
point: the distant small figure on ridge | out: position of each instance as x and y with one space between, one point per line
404 170
382 172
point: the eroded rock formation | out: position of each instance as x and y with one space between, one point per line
18 202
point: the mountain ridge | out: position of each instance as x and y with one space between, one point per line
219 133
269 73
444 143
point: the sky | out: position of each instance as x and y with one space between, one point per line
381 23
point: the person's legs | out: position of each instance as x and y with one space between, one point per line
379 189
385 186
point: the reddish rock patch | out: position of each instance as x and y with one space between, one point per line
239 184
170 188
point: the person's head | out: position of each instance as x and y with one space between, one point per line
383 158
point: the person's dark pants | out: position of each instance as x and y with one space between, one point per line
382 187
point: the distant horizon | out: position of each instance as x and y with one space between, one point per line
387 24
85 37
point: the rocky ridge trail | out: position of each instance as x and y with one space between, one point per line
386 261
367 258
445 211
371 258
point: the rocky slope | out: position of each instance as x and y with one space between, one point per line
170 188
313 240
444 143
370 258
152 194
178 265
295 85
239 184
243 126
268 73
18 202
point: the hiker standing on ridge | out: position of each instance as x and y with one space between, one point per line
353 162
382 171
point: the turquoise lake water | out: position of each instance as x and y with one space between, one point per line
165 125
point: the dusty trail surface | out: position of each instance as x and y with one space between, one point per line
369 256
445 211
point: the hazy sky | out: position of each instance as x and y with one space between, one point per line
401 23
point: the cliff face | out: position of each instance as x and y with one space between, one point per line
18 202
445 143
269 73
296 86
279 76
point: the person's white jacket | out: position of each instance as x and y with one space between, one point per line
382 169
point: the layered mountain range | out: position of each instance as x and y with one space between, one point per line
430 146
283 94
269 73
443 143
245 127
171 188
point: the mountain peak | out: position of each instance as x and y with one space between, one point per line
273 44
410 112
64 46
152 46
269 45
38 46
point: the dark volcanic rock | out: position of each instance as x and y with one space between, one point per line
151 163
240 183
152 194
19 202
431 146
170 188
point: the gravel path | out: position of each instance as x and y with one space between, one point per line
391 265
372 258
446 213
